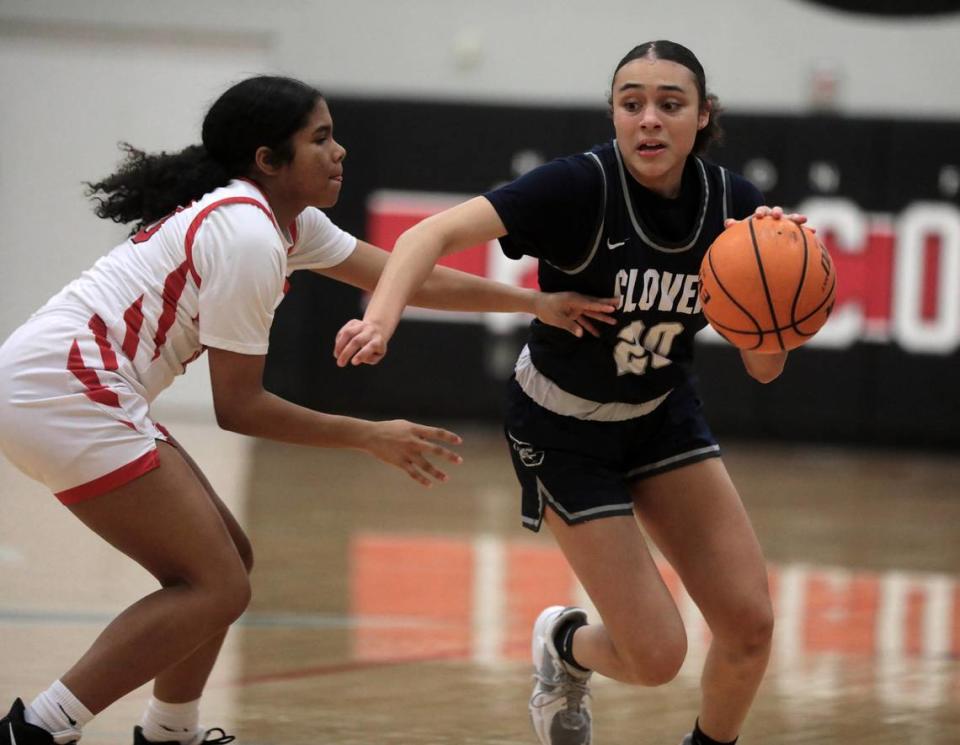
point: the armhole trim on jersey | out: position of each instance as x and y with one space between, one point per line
203 214
603 215
727 194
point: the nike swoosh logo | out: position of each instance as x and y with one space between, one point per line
73 722
612 246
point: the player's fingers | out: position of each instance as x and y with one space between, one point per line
344 335
367 357
438 433
441 452
728 222
602 317
349 349
371 352
592 303
428 468
343 338
416 474
589 327
761 211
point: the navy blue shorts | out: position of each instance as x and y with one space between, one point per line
583 469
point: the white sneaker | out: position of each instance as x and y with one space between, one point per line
560 704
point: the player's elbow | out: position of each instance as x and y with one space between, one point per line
227 418
764 376
764 368
233 416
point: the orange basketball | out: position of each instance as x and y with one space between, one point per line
767 285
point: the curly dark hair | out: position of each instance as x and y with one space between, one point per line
259 111
674 52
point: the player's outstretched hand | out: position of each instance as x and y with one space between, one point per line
406 445
573 312
359 343
776 213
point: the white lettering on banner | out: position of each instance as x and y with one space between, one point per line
941 334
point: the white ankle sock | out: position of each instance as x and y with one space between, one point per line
59 712
163 722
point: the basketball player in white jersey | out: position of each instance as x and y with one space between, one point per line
219 228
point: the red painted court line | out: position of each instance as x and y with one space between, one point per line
343 667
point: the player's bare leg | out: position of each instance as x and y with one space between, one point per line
166 522
639 640
185 680
695 516
641 637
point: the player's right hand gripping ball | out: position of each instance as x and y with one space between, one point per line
767 285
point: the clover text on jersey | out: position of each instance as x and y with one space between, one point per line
662 290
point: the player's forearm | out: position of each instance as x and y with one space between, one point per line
413 258
266 415
448 289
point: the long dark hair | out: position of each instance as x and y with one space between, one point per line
259 111
673 52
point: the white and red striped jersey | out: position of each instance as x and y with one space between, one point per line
209 274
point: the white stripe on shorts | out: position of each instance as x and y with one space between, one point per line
673 459
545 495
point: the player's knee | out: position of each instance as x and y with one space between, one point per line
757 633
245 550
230 597
217 595
655 661
752 634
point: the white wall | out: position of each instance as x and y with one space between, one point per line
759 54
76 77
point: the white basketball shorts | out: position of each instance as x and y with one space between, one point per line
70 414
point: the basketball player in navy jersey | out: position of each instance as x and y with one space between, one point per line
604 430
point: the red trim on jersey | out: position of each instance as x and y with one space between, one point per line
294 232
99 329
173 287
202 215
164 430
133 317
193 357
96 391
146 232
117 478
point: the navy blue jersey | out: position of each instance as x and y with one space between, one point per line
598 232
